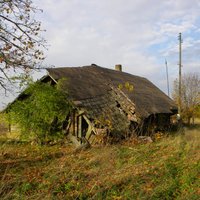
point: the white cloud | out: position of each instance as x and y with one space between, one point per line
107 32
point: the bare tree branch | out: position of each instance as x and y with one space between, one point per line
190 98
21 44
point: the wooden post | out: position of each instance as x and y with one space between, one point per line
74 123
79 126
180 65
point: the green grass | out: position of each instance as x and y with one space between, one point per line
166 169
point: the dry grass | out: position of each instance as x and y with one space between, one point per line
166 169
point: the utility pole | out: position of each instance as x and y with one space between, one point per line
180 65
167 77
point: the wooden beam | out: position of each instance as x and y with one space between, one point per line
91 130
79 119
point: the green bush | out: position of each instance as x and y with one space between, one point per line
40 111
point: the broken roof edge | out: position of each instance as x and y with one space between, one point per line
113 77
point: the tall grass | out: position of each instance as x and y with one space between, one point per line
166 169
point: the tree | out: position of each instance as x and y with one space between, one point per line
190 98
40 111
20 41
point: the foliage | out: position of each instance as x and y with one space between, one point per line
3 118
20 39
3 124
166 169
129 87
197 111
190 95
40 109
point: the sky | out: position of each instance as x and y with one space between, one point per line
139 34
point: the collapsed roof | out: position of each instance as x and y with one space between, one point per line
92 86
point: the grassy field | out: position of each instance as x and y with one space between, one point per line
168 168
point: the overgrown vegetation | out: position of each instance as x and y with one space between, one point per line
40 111
169 168
3 124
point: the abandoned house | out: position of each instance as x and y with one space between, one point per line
113 101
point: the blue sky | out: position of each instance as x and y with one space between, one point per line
139 34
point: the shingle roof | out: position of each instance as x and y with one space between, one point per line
94 82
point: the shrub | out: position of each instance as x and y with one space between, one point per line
40 110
